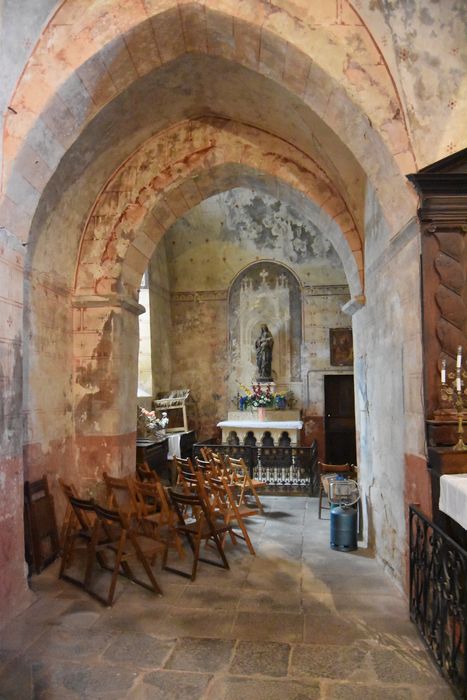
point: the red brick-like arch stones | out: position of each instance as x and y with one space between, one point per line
176 170
91 52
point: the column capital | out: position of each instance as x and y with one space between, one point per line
108 300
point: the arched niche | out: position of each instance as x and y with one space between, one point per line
265 292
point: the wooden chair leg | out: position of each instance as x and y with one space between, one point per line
143 560
118 559
246 536
195 556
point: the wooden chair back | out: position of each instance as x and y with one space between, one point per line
40 526
120 494
145 473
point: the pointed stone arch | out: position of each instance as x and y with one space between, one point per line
201 158
74 77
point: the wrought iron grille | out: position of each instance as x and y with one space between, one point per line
284 469
438 576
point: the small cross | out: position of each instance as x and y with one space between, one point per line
263 274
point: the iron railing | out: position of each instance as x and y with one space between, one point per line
284 469
438 603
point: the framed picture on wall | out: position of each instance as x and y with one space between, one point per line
341 347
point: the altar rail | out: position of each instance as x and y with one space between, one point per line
285 470
438 597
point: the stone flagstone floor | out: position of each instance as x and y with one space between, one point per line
296 622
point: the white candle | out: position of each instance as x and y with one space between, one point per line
443 372
458 385
459 357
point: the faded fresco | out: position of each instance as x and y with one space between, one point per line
230 230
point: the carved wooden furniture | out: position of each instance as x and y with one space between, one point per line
443 216
154 454
42 543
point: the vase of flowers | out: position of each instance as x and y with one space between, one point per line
260 398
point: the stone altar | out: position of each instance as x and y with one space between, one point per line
278 426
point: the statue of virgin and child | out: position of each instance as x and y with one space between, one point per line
263 346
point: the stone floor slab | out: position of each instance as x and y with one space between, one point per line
138 650
259 626
250 689
176 685
294 622
201 655
260 658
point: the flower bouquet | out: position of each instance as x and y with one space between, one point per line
258 397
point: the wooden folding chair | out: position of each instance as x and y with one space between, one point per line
82 528
120 537
120 495
181 465
207 467
155 515
206 453
218 462
145 473
245 482
229 509
197 529
69 519
325 471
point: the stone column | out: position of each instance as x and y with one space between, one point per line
105 385
14 592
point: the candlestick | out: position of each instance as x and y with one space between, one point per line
443 372
452 392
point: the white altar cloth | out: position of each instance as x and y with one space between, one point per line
453 497
266 424
174 445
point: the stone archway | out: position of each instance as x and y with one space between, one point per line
121 234
74 79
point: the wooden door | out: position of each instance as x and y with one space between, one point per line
339 424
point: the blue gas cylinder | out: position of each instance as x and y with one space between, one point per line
344 528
